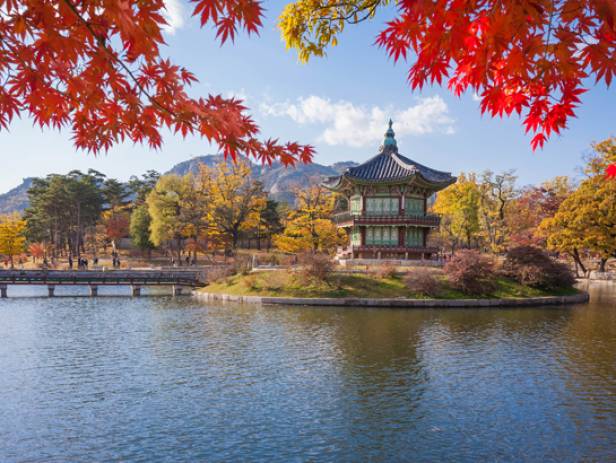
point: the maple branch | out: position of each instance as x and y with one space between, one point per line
371 7
102 43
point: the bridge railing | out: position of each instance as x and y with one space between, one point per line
107 277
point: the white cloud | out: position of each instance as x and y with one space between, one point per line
358 126
240 94
174 14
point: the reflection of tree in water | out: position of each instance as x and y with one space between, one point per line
381 383
372 391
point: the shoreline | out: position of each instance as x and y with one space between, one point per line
580 298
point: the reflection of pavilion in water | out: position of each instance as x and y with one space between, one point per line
405 370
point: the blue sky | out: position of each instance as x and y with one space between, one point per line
340 104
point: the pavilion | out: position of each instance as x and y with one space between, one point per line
387 198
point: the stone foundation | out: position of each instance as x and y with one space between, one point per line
580 298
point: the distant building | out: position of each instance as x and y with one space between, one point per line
387 200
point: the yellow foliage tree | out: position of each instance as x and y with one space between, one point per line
12 238
309 228
176 210
586 220
459 207
234 199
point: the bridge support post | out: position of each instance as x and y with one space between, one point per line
136 291
93 290
3 293
51 290
177 290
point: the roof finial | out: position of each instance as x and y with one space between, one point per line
390 137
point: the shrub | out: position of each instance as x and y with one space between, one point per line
471 272
423 282
316 266
218 273
242 264
385 271
533 267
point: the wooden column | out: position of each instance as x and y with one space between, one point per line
401 236
402 204
51 290
177 290
363 204
136 291
362 232
93 290
3 291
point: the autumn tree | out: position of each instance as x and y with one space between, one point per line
196 205
235 199
532 206
116 223
98 67
167 209
497 192
532 58
586 220
459 207
309 227
12 237
37 251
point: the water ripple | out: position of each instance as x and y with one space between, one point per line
164 380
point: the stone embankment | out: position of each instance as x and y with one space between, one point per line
582 297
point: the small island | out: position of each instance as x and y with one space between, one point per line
383 228
468 280
276 283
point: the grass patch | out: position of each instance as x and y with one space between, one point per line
284 283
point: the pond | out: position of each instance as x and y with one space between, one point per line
158 379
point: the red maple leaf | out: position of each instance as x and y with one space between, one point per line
96 66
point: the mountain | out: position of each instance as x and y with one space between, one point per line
16 200
278 180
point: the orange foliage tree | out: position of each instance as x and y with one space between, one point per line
37 251
96 66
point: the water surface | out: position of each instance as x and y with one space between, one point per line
158 379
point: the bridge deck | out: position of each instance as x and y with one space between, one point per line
101 278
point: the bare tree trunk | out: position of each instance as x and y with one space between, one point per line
576 257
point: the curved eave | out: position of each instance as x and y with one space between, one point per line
332 183
416 177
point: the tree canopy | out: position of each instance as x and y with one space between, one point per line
98 67
12 238
62 207
459 206
236 200
586 220
309 227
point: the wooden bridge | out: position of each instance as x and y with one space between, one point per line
136 279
